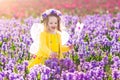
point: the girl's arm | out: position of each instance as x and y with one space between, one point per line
43 46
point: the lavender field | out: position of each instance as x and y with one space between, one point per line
96 54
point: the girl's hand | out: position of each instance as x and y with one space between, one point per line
33 56
53 55
71 46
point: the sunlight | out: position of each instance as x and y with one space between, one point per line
2 0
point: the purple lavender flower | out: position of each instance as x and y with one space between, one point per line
44 15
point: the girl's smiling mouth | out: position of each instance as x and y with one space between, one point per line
53 27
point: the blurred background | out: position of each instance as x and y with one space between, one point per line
96 53
26 8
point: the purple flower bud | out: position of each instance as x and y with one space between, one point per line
44 15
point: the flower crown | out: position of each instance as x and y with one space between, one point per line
51 11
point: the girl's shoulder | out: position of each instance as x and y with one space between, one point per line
43 33
58 32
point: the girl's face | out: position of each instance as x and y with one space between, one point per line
52 23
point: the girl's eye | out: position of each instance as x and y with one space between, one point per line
55 23
50 23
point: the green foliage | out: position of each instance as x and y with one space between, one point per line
0 69
110 59
27 71
5 39
38 76
106 48
1 64
76 47
20 39
1 43
86 39
19 60
96 58
12 55
117 54
90 58
108 36
110 78
5 78
107 68
112 28
119 39
13 47
28 55
15 69
76 59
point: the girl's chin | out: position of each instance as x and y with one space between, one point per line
53 30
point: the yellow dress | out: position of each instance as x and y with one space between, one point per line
48 43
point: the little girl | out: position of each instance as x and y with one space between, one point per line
50 39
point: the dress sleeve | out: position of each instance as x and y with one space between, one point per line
64 48
43 46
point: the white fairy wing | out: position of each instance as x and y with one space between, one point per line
64 34
79 27
34 48
64 37
35 31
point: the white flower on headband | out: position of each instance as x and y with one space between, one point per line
51 11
